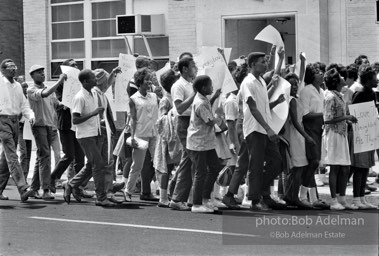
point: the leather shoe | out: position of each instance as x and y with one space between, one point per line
67 190
371 188
77 195
118 186
104 203
26 194
148 197
273 204
2 197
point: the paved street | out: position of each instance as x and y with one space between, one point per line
55 228
40 227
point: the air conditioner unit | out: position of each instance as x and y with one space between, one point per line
140 24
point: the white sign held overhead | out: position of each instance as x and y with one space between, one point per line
128 68
212 63
270 35
71 86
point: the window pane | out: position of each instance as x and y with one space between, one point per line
63 1
108 48
107 65
67 12
56 68
158 46
67 50
108 9
104 28
68 30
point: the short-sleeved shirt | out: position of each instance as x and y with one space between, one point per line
43 107
311 99
231 108
84 103
334 107
146 114
257 90
200 136
181 90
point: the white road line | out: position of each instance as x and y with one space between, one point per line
145 226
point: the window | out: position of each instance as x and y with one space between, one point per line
85 30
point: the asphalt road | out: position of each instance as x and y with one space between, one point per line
40 227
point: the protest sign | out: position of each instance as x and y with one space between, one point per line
71 86
212 63
279 113
366 130
128 68
271 35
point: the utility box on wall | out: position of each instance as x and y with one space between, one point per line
140 24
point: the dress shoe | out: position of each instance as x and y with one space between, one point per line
47 196
86 194
148 197
67 190
271 203
301 206
371 188
118 186
2 197
36 195
230 202
26 194
164 204
104 203
77 194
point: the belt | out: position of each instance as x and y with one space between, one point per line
12 117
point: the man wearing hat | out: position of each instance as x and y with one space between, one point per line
44 104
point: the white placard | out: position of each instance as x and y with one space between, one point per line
366 130
71 86
279 113
128 68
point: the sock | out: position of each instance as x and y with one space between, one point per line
163 195
313 195
303 193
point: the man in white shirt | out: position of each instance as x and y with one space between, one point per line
12 104
261 139
85 115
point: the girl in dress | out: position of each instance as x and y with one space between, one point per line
335 148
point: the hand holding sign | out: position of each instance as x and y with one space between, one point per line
71 86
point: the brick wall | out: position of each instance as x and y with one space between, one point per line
36 37
11 27
181 27
362 30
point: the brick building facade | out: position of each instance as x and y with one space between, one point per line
327 30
